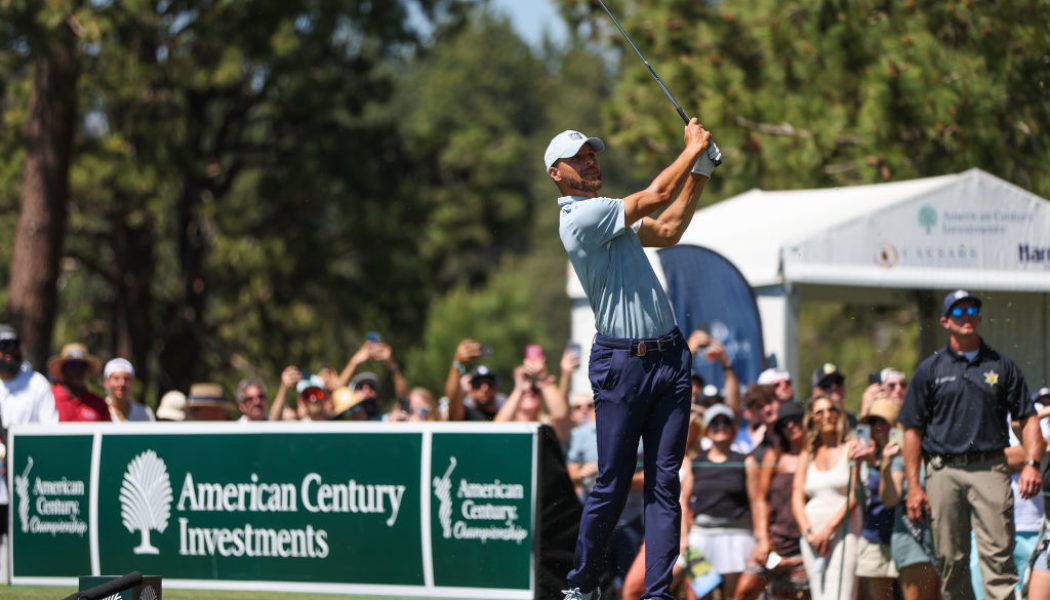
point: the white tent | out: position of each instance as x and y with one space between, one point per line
892 243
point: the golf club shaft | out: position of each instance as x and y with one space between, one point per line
677 106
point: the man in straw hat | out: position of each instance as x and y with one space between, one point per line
70 369
206 403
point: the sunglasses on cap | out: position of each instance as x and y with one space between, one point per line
970 311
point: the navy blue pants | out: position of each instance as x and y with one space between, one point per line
637 397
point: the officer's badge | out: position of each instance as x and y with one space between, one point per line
991 378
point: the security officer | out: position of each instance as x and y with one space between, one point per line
955 414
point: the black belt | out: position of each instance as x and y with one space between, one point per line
939 460
641 347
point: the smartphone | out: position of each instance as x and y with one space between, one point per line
373 336
864 433
576 349
897 435
874 377
486 350
534 352
773 560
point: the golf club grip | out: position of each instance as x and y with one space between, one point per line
109 588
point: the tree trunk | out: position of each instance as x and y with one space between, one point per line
132 276
44 194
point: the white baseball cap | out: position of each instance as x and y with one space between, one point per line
117 365
566 144
770 376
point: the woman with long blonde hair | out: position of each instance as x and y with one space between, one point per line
822 501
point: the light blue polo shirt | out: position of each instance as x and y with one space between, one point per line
627 298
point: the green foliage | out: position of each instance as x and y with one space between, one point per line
860 339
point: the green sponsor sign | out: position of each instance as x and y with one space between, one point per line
402 510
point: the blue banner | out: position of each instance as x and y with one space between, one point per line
708 292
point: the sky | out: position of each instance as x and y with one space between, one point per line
531 18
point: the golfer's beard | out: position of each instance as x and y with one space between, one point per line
588 185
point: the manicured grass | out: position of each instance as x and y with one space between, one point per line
57 593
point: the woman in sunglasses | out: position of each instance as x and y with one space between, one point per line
776 559
821 501
715 497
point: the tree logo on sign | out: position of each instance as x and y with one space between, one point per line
145 498
927 217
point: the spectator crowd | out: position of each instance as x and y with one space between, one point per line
784 495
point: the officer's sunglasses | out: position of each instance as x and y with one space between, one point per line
970 311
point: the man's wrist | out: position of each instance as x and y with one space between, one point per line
1031 462
459 367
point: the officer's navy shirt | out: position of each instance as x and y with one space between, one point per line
962 405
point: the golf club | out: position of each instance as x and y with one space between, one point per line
677 107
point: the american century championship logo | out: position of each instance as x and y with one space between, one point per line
57 506
487 510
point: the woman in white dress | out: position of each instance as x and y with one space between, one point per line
819 503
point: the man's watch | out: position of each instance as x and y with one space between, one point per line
1031 463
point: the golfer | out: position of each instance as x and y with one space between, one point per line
639 363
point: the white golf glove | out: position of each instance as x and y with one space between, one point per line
711 158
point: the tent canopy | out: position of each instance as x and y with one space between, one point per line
965 230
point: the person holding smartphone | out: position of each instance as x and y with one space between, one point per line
875 568
536 397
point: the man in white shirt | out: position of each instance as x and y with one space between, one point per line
117 378
25 397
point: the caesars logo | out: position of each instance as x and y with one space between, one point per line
487 510
50 506
147 498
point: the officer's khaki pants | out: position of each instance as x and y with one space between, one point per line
976 495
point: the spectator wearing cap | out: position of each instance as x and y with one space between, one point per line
172 406
252 400
117 378
366 385
346 405
313 402
479 399
25 397
1041 401
955 415
71 369
717 509
206 403
537 398
374 350
780 380
876 571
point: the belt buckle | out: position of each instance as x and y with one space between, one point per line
641 348
937 462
